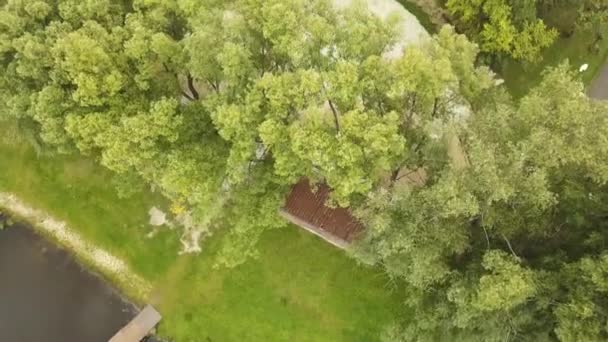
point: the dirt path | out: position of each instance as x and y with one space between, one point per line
46 296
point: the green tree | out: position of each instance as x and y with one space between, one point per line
504 27
580 316
492 251
178 94
591 15
489 210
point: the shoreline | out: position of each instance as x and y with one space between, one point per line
52 296
97 261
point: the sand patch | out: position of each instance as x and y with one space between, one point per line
157 217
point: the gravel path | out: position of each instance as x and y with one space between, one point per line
599 86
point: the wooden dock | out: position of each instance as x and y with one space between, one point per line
139 327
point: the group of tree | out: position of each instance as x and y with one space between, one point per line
512 245
517 29
223 105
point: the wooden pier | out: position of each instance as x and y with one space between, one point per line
139 327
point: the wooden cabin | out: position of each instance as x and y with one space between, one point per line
306 207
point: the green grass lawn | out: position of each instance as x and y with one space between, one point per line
299 289
520 77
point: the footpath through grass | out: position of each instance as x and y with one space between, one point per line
299 289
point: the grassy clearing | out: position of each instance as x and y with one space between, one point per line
299 289
521 77
75 190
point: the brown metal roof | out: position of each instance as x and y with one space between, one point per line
308 209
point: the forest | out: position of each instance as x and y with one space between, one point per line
222 106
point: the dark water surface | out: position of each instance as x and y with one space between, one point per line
46 296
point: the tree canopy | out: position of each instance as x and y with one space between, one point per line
210 101
504 27
223 105
491 249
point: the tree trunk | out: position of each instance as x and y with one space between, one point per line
193 90
335 113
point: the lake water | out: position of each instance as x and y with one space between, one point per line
45 295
